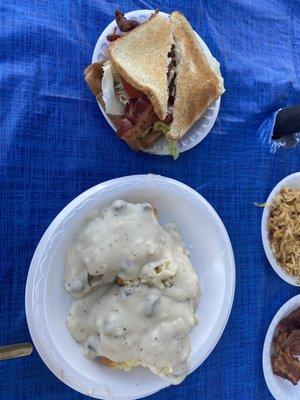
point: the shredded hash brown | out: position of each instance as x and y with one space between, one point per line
284 230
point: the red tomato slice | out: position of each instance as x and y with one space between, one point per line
130 90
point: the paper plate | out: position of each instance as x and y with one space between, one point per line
200 129
47 302
292 181
281 388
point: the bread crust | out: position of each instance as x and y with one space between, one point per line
197 84
132 55
109 363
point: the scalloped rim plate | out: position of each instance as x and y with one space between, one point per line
201 127
292 180
280 388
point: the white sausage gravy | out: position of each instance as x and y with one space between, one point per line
134 289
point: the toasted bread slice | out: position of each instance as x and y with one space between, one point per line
198 80
133 56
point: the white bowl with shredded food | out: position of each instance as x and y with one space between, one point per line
201 128
47 302
293 182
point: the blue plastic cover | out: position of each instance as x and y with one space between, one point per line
55 144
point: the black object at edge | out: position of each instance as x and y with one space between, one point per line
287 122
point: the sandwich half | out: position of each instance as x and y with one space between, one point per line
157 80
141 59
198 79
132 84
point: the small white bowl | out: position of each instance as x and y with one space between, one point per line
47 302
281 388
292 181
201 127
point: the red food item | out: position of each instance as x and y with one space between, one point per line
290 322
286 346
136 109
139 116
112 37
131 92
124 24
124 127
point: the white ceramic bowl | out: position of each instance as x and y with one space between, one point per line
47 302
291 181
200 129
281 388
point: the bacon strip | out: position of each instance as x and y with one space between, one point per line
113 36
139 115
124 24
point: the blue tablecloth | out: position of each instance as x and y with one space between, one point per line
56 144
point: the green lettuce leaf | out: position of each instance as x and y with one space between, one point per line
119 88
159 126
173 148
